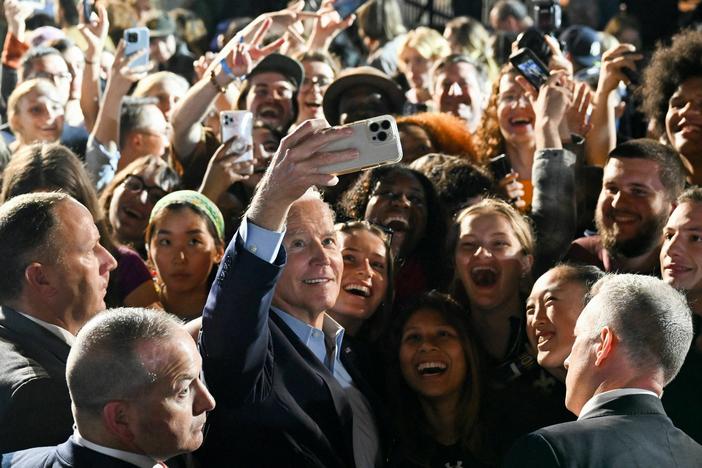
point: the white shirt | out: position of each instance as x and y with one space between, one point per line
63 334
605 397
142 461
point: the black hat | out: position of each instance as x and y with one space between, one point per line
161 26
583 44
279 63
368 76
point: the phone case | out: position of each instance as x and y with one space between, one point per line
136 39
240 124
377 141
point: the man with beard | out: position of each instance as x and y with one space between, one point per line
641 181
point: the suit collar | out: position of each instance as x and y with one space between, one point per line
629 405
34 333
73 454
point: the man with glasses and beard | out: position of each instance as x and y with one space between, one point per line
641 181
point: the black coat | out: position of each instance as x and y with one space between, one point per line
35 407
630 431
277 404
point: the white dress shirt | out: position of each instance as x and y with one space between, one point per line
605 397
63 334
136 459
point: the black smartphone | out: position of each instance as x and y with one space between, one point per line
347 7
87 10
633 75
528 65
534 40
500 167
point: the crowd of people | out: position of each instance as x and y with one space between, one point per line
522 289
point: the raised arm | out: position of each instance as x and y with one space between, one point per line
553 203
603 135
235 334
241 58
95 35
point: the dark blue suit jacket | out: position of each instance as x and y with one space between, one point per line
35 407
630 431
277 404
66 455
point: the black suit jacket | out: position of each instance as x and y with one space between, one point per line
630 431
35 407
66 455
277 405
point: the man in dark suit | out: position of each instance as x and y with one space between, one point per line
630 341
54 279
133 375
272 357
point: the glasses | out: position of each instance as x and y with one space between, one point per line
282 92
319 80
136 184
55 77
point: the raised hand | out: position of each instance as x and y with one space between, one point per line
223 170
16 13
328 25
244 57
95 31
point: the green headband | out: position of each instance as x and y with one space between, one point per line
196 200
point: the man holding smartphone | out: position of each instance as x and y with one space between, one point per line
272 356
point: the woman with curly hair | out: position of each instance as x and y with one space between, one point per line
507 127
672 93
406 202
433 132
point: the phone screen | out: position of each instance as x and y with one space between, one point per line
526 63
346 7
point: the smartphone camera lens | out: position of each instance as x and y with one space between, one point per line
385 124
374 127
132 37
382 136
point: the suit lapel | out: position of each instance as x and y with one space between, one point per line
336 392
32 335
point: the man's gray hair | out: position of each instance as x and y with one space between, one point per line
104 364
651 318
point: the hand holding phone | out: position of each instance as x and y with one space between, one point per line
377 140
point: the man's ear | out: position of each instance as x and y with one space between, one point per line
608 340
116 418
39 279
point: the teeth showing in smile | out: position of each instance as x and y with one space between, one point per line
523 121
431 368
484 276
396 222
358 290
315 281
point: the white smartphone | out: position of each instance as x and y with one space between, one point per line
135 40
377 141
237 123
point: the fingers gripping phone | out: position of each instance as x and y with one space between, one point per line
238 124
377 141
530 67
135 40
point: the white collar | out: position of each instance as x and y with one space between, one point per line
605 397
142 461
63 334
